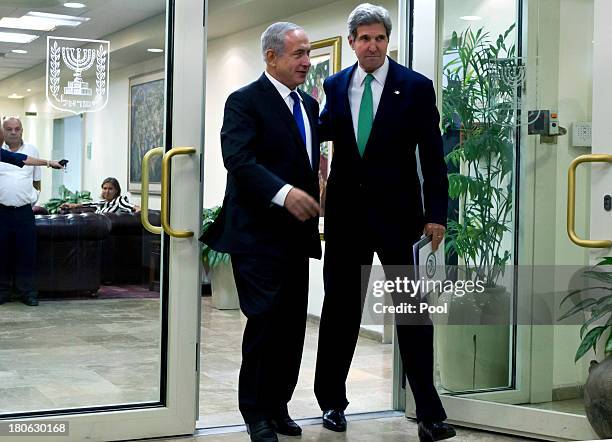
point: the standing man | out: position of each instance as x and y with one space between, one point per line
19 188
269 224
377 113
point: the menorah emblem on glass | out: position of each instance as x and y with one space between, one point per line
78 60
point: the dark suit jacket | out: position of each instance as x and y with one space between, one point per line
262 151
381 192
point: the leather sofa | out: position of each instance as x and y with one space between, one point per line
79 252
69 251
126 253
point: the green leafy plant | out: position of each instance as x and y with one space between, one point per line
599 308
211 258
66 196
481 109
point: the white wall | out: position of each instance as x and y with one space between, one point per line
234 61
575 96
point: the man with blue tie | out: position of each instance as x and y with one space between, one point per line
269 224
377 112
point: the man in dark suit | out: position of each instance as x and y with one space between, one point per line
377 112
269 224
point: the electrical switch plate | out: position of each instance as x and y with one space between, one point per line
581 134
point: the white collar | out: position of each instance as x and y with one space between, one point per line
380 74
280 87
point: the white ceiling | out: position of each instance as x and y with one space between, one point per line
132 26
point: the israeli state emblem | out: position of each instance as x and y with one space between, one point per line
77 74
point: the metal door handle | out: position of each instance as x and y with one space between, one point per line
165 191
144 203
571 201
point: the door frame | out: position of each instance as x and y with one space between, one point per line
177 410
494 411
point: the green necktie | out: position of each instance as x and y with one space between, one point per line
366 115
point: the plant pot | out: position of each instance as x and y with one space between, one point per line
475 353
598 397
224 293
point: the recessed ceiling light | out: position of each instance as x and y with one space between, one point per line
41 21
155 50
11 37
19 51
15 96
28 90
471 17
74 5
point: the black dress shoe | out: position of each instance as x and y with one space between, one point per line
261 431
431 431
286 425
334 420
31 301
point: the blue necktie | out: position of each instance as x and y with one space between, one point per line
297 115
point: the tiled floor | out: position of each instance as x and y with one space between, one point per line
369 384
82 353
397 429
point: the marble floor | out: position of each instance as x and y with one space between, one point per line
395 429
369 384
82 353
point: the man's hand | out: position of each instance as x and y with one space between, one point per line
55 164
301 205
437 234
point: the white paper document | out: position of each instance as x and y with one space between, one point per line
428 265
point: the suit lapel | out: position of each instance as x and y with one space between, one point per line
280 108
345 105
313 121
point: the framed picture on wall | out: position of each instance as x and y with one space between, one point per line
325 61
146 128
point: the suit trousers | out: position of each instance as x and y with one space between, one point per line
18 254
273 294
345 287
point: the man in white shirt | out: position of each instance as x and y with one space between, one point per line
19 189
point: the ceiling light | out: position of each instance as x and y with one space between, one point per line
19 51
28 90
15 96
58 19
10 37
41 21
155 50
31 23
471 17
74 5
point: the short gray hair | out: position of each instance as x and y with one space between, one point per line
274 37
368 14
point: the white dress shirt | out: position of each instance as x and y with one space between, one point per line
16 184
284 92
357 86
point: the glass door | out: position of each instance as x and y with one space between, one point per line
517 93
111 350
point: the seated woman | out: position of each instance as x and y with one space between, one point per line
112 200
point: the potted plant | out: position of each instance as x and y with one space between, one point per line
596 329
480 107
66 196
218 267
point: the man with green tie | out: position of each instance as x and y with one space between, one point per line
377 112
